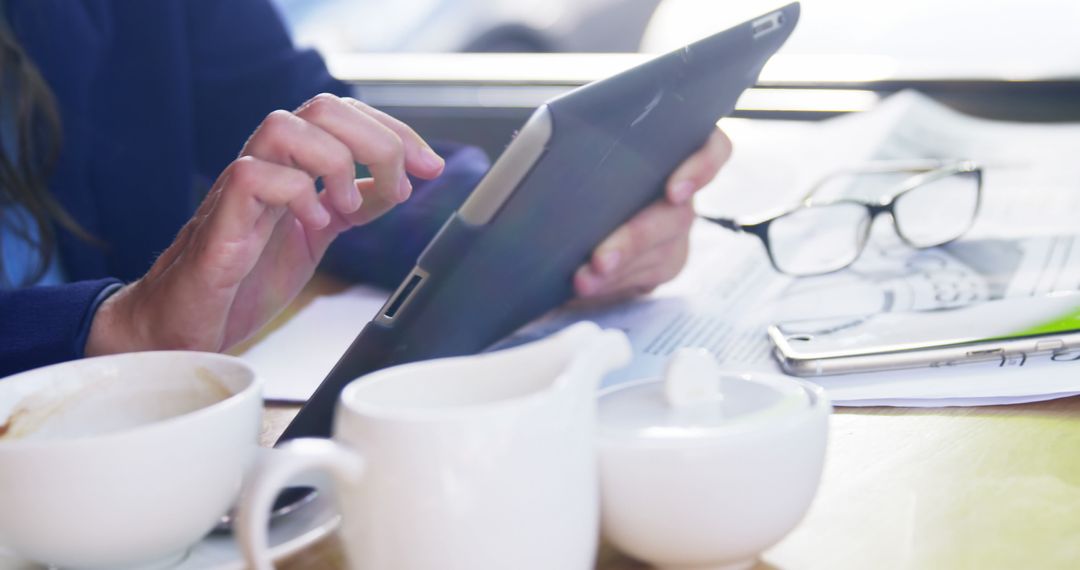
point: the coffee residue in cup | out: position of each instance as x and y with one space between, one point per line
212 382
31 413
6 427
49 414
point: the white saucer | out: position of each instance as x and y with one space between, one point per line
288 535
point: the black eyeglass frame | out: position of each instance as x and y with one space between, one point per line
924 172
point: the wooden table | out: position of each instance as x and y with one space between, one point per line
989 487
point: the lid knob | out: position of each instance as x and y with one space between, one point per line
693 380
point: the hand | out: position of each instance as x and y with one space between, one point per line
260 232
652 247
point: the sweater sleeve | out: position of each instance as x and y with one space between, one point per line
243 66
46 325
382 253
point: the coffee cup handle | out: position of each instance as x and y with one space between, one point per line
274 471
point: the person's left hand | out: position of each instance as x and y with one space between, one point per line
263 228
652 247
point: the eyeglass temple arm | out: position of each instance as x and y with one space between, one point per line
895 166
805 199
725 223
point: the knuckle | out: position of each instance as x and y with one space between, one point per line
390 149
243 172
300 181
277 123
324 99
341 160
277 118
320 106
356 103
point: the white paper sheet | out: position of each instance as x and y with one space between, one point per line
295 358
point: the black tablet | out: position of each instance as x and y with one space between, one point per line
583 164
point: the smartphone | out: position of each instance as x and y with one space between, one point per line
995 330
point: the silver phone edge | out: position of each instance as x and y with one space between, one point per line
942 356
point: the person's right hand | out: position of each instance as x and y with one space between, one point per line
262 229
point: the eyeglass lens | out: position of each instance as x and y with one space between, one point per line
938 211
826 237
818 239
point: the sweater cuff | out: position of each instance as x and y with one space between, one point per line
47 324
112 286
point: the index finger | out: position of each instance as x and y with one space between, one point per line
420 158
369 141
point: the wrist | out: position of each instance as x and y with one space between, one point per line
113 328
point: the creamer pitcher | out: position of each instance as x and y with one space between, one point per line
472 462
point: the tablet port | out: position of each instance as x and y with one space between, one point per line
767 24
395 305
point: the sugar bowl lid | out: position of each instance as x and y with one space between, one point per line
696 399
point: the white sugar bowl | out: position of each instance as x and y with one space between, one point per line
705 469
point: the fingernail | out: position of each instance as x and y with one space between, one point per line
353 200
681 191
404 188
609 260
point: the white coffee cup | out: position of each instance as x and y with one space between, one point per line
706 468
472 463
123 460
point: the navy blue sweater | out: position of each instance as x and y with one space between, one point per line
156 98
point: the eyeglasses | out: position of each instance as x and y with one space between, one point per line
930 202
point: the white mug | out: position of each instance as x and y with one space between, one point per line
472 463
123 460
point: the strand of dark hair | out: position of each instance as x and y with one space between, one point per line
24 178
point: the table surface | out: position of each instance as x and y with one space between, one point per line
988 487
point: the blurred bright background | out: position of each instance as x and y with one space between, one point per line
1006 59
1005 39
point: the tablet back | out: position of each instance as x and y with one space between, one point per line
584 163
